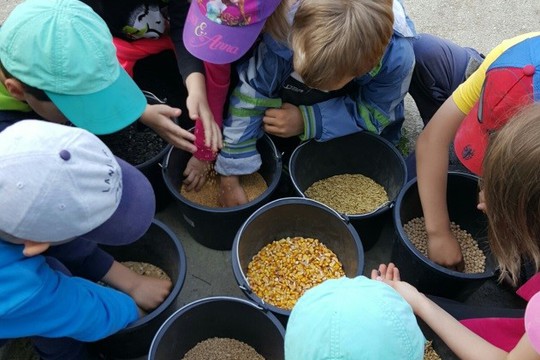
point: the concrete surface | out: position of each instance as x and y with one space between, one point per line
477 23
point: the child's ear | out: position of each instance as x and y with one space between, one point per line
32 248
15 88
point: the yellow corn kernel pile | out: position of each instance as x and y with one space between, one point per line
284 269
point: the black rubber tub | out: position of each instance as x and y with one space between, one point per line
289 217
222 317
424 274
129 144
159 247
215 228
360 153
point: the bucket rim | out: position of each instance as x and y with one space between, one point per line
153 99
177 287
381 208
177 313
403 238
241 277
223 210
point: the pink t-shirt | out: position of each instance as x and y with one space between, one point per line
532 321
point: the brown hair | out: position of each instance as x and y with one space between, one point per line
511 183
35 92
335 39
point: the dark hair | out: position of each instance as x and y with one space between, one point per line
37 93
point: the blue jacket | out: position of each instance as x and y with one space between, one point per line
377 102
36 300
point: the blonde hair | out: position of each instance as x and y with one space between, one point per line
335 39
277 25
511 184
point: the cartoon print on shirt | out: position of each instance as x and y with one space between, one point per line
145 21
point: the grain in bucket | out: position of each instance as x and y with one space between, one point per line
361 153
294 217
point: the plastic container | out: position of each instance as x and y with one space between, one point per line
215 228
151 168
424 274
359 153
223 317
288 217
159 247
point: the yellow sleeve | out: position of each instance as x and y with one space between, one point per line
468 93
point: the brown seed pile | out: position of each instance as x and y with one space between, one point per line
143 268
253 184
349 193
473 257
284 269
430 353
221 349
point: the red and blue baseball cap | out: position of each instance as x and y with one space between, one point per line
512 82
222 31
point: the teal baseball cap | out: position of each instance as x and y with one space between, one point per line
65 49
353 319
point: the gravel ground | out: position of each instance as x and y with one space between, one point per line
481 24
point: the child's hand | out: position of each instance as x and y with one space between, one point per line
390 275
231 192
196 173
284 122
481 202
198 109
159 118
150 292
147 292
445 250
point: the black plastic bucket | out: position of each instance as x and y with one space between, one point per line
216 227
288 217
222 317
159 247
359 153
151 167
424 274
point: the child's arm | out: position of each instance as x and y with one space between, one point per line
42 302
463 342
432 168
217 82
148 292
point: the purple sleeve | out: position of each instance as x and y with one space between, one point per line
83 258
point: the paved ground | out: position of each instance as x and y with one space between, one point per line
477 23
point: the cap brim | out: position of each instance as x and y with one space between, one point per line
470 142
105 111
216 43
134 214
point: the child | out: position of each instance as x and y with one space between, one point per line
218 32
60 183
506 80
141 29
338 76
353 319
61 75
72 76
510 198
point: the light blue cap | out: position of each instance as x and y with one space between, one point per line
64 48
353 319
